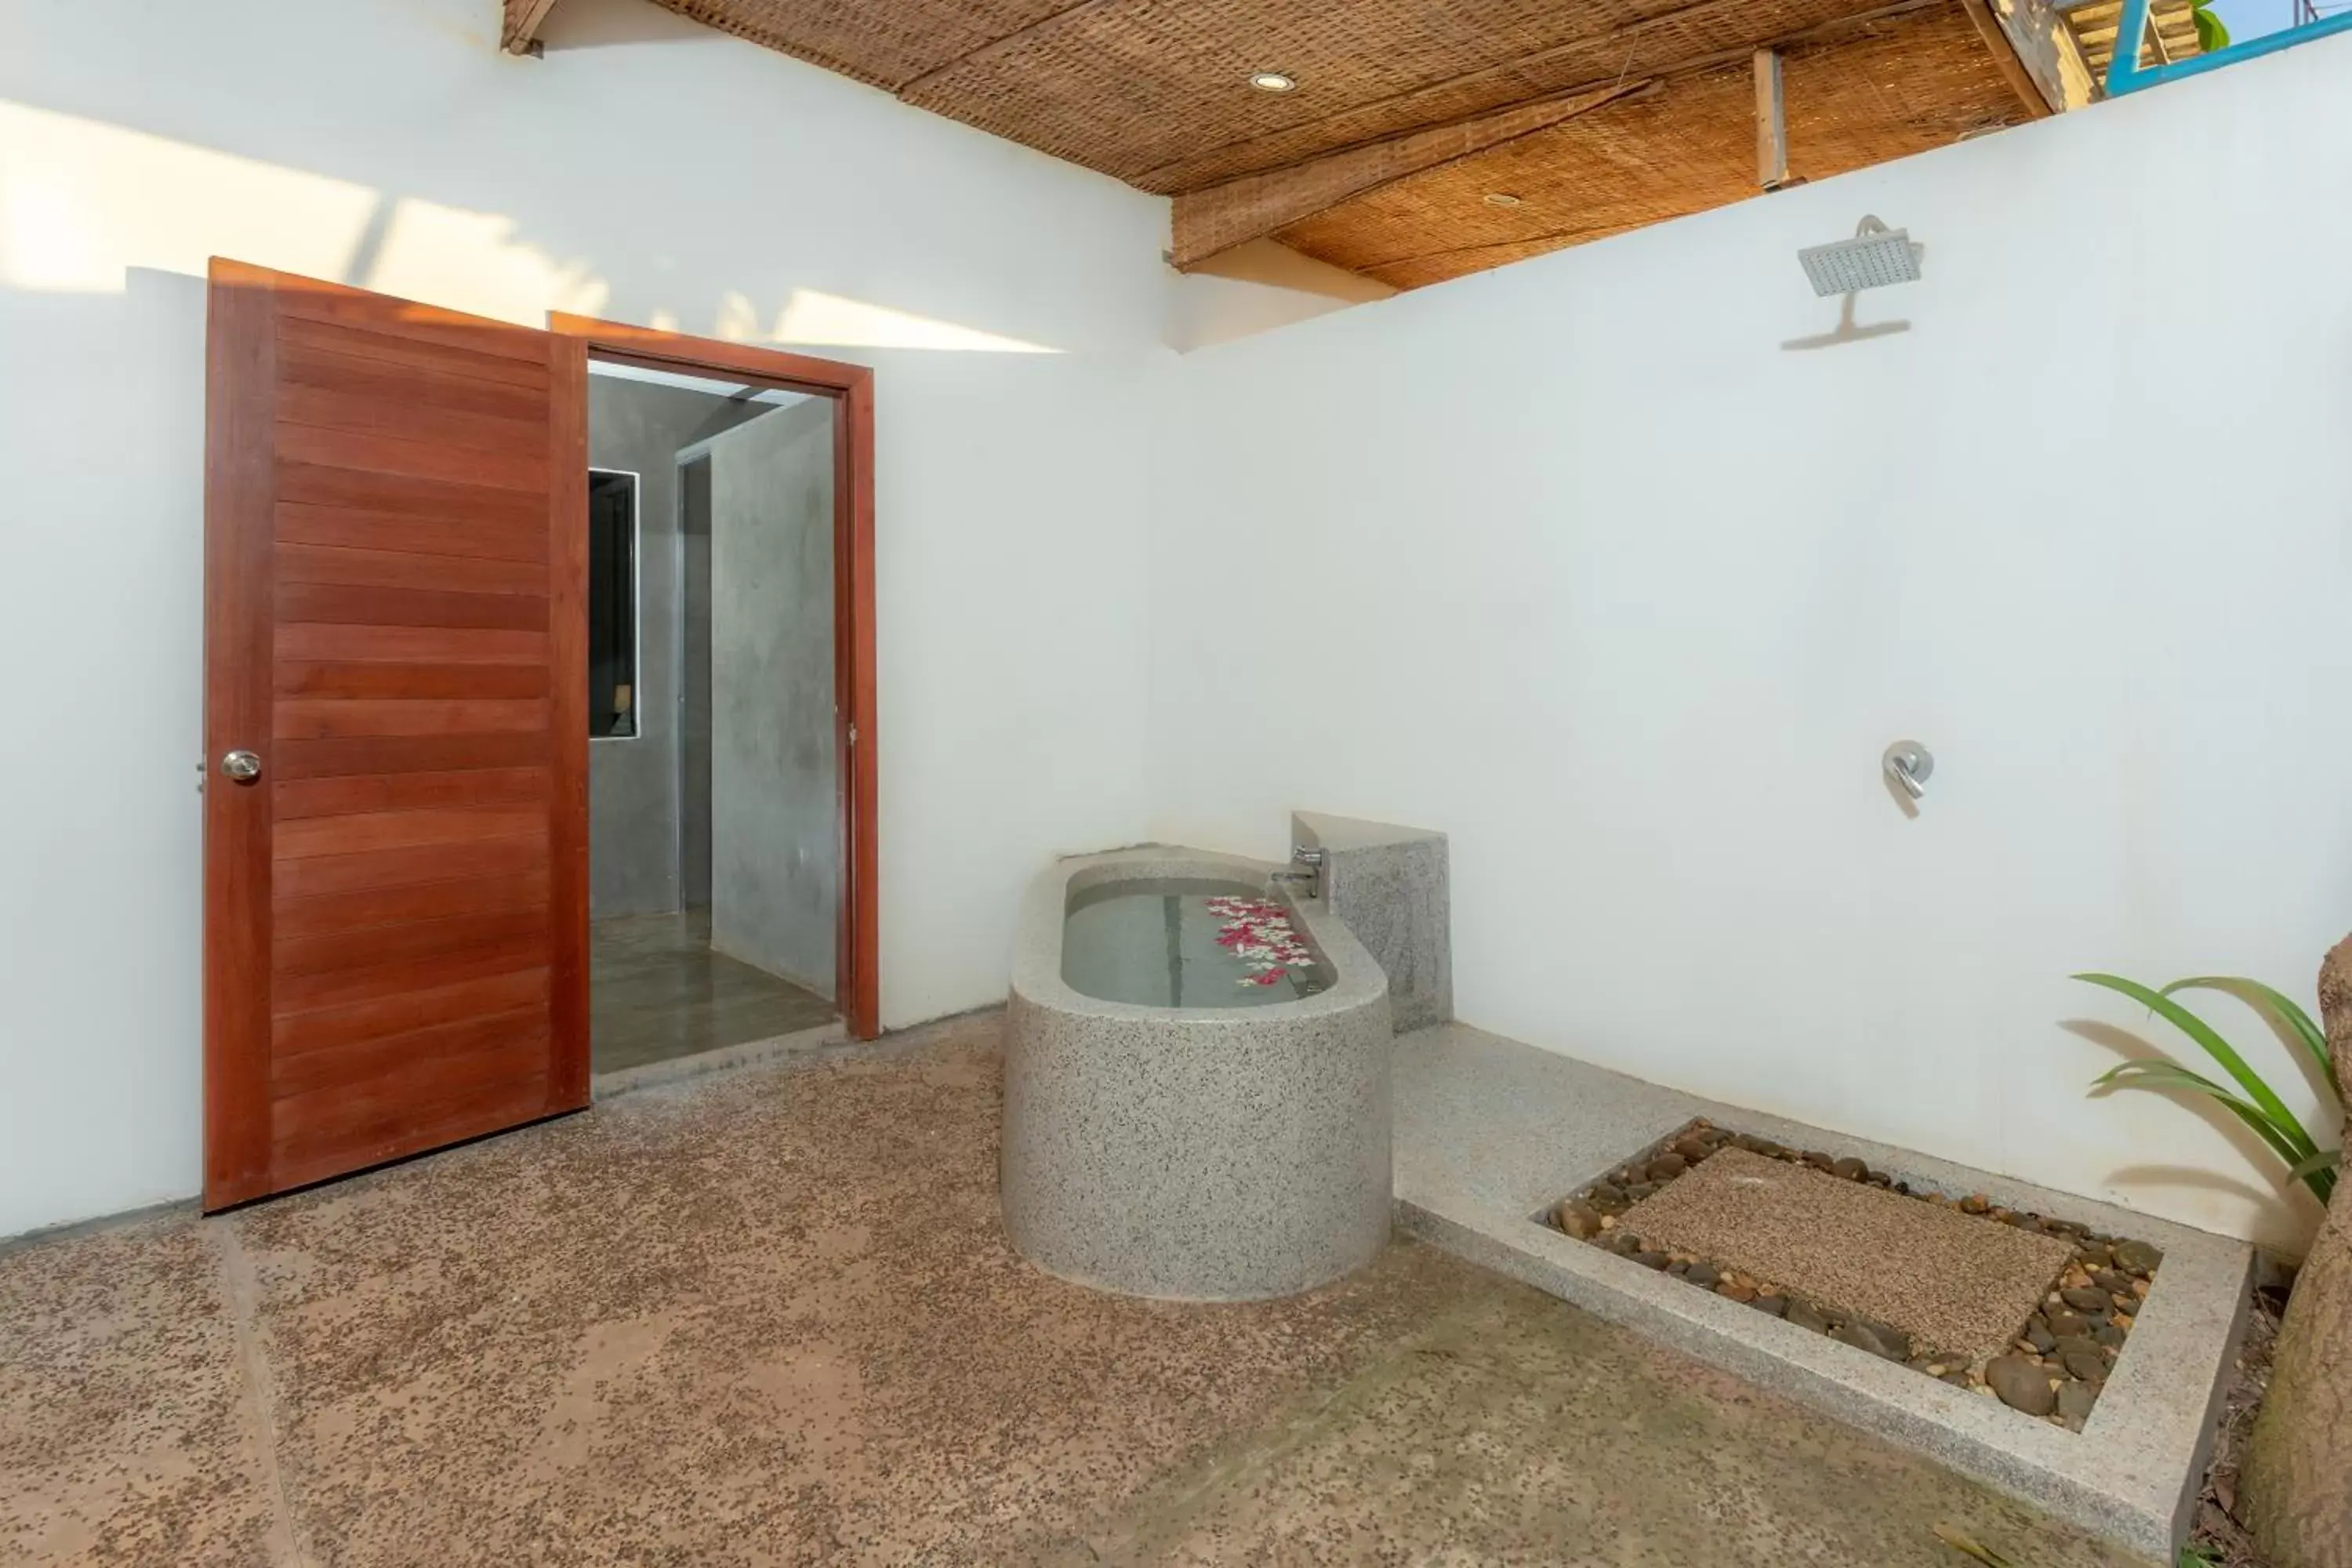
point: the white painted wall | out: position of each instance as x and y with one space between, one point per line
1574 561
1569 560
648 170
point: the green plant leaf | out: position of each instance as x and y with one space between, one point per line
2273 1109
2326 1160
2256 994
2212 33
2172 1077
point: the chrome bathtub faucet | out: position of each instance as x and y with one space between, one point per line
1312 877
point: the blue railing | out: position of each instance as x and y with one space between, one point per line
2126 74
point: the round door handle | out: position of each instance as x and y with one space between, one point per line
242 766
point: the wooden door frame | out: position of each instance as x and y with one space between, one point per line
858 981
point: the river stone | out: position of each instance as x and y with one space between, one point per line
2074 1402
1771 1306
1581 1220
1641 1190
1863 1337
1850 1168
1693 1147
2108 1335
2065 1324
1666 1167
2138 1256
2113 1283
1651 1259
2083 1298
1606 1196
2082 1359
1705 1274
2021 1384
2040 1337
1804 1317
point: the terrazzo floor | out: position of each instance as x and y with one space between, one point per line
769 1317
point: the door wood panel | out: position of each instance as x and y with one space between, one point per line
294 996
330 719
405 569
363 793
322 447
340 604
322 1068
356 528
301 838
325 1028
367 491
329 914
356 677
414 645
407 753
395 912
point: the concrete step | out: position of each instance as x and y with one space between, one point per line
1490 1132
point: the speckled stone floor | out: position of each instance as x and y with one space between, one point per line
768 1317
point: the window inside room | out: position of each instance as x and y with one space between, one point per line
612 604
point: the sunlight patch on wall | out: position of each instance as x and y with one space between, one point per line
472 261
820 320
82 201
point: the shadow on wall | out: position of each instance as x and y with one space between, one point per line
524 230
2281 1211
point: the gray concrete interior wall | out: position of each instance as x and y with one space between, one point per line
633 792
774 762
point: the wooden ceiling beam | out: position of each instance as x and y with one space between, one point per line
2052 54
1274 148
1772 123
2006 59
520 23
1214 220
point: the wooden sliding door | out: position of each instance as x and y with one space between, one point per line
395 795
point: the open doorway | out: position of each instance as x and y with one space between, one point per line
716 831
401 530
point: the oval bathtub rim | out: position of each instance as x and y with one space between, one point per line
1038 955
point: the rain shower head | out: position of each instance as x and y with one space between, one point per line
1876 256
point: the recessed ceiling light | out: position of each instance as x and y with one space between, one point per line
1274 81
1501 199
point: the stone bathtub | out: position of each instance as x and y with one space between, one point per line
1177 1124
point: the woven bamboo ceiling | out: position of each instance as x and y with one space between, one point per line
1427 139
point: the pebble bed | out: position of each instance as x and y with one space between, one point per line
2058 1358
